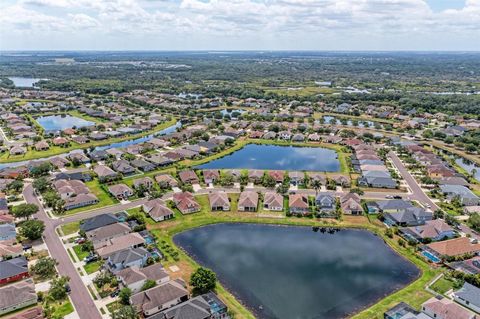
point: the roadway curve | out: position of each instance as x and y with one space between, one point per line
80 296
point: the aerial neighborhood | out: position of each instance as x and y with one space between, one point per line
149 203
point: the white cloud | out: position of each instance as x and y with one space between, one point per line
333 23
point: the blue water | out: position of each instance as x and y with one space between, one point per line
24 82
140 140
431 256
274 157
286 272
468 166
61 122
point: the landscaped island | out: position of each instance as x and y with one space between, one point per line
294 272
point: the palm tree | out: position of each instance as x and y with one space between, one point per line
316 184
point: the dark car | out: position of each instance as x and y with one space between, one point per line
90 258
397 197
115 293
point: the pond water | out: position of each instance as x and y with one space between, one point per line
274 157
468 166
61 122
230 111
287 272
24 82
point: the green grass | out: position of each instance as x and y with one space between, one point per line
111 307
92 267
70 228
79 252
104 199
442 285
63 309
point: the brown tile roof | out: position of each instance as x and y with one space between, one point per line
454 247
447 309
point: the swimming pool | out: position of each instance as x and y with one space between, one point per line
431 256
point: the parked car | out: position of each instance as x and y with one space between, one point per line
397 197
389 196
67 288
115 293
80 240
90 258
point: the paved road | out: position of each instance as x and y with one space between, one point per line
80 296
417 191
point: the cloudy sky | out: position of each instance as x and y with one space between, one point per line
240 25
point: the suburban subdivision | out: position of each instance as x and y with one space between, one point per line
210 194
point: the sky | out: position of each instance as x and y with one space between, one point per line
379 25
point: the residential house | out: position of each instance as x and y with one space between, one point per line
123 166
255 176
60 141
276 175
298 204
17 296
186 203
159 298
317 177
78 157
13 270
206 306
210 176
7 232
105 173
468 296
248 201
219 201
157 210
17 150
166 181
412 216
80 174
341 180
433 230
188 177
98 155
106 248
120 191
105 233
97 222
325 203
273 201
42 146
445 308
351 204
146 182
143 165
453 247
126 258
296 178
134 277
466 196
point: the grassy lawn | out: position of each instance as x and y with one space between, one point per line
92 267
70 228
61 310
79 252
111 307
413 294
104 199
442 285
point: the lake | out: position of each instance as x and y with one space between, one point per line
468 166
24 82
61 122
287 272
275 157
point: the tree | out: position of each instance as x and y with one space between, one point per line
24 210
269 181
474 221
203 280
58 288
149 284
316 184
41 169
44 267
41 184
124 312
15 186
32 229
124 296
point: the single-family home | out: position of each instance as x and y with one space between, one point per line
255 176
453 247
120 191
444 308
465 195
206 306
146 182
157 210
186 203
13 270
468 296
188 177
143 165
107 248
298 204
105 173
433 230
273 201
351 204
325 203
210 176
296 178
219 201
125 258
17 296
97 222
134 277
248 201
105 233
166 181
123 166
7 231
